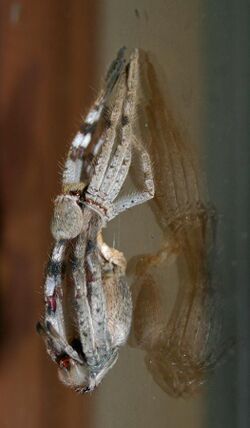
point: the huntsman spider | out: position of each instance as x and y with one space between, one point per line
88 306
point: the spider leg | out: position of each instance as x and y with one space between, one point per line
119 166
89 293
130 105
83 310
148 190
75 161
56 344
117 171
110 137
108 183
53 328
115 69
97 297
53 288
128 140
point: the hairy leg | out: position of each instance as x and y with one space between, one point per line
147 192
91 312
75 162
110 137
53 328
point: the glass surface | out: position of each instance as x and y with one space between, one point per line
200 54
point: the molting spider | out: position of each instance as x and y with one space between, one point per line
88 306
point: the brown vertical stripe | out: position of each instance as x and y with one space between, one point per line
47 56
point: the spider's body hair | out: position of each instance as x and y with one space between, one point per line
100 303
79 157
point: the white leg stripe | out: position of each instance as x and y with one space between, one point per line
50 285
81 140
94 115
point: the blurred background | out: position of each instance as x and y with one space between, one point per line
53 57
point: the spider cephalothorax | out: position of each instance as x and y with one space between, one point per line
88 305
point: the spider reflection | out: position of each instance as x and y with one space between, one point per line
180 350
